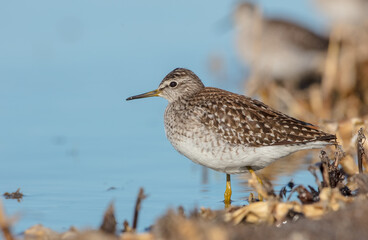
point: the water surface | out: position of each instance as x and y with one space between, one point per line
67 134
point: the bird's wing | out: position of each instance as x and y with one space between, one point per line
300 35
241 120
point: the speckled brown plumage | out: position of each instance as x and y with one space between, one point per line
226 131
242 120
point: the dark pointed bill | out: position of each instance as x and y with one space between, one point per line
154 93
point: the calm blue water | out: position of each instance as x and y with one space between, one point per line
67 133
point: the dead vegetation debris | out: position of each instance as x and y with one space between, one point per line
137 208
14 195
107 230
360 148
109 222
333 225
126 227
5 225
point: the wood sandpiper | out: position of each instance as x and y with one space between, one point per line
277 49
228 132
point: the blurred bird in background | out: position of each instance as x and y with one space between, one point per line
303 73
277 49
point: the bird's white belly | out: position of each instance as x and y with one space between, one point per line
233 159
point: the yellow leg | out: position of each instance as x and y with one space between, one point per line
227 194
251 171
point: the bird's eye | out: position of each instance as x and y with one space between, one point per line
173 84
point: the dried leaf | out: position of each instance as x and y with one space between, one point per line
349 165
14 195
360 149
40 232
109 222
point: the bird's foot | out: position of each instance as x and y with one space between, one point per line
228 192
254 175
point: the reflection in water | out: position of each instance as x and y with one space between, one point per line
204 175
287 166
291 168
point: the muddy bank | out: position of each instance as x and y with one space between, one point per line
348 223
